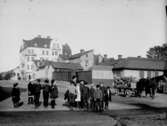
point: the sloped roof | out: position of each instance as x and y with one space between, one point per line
108 62
72 66
38 42
59 65
140 64
78 55
102 67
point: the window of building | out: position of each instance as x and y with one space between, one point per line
35 44
45 45
29 51
28 58
47 53
54 46
32 67
22 65
41 58
149 74
28 67
32 51
32 58
86 63
152 74
43 52
156 73
56 53
141 74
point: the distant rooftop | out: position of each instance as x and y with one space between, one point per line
138 63
59 65
37 42
78 55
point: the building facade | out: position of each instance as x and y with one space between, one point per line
16 73
56 70
38 48
138 68
102 74
84 58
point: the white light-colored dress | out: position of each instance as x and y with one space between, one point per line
78 93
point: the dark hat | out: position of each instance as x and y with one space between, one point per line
52 81
38 80
97 86
46 81
15 84
73 77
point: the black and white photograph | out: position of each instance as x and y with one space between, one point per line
83 62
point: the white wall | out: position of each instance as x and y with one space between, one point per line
131 73
136 73
90 60
41 73
37 54
160 73
145 74
83 59
47 72
102 74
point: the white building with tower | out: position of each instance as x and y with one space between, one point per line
38 48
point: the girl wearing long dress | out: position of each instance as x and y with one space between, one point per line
78 94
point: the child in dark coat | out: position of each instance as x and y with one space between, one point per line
53 93
46 89
30 93
16 96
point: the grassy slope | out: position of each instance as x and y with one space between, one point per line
5 92
6 88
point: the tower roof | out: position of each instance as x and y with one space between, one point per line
37 42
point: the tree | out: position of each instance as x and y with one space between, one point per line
158 52
66 51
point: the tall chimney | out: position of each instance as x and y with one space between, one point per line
105 55
82 51
119 56
39 36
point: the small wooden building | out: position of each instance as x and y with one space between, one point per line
56 70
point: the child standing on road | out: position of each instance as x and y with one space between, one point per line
46 89
53 93
16 96
30 93
37 92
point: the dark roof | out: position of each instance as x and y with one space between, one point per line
102 67
139 64
71 66
78 55
38 42
108 61
59 65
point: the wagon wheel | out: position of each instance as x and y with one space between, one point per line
128 93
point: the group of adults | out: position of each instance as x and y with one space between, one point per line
49 90
90 97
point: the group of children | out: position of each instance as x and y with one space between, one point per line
89 97
79 94
48 91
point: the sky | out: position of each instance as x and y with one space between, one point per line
112 27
